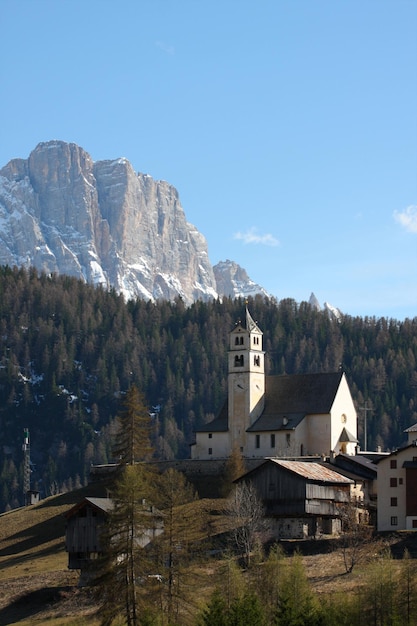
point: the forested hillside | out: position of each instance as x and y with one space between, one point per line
68 350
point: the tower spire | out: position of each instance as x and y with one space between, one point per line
250 323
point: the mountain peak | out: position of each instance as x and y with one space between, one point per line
63 213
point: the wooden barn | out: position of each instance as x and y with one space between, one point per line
302 499
85 523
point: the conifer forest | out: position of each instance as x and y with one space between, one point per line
69 351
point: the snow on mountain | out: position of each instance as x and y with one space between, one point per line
332 311
62 213
233 281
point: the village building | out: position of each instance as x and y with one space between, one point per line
85 522
84 528
361 468
302 499
397 487
276 416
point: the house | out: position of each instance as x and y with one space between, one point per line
397 487
301 498
276 416
361 468
85 524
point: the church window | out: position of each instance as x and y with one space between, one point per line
239 360
210 450
288 439
257 360
256 341
210 435
273 440
257 441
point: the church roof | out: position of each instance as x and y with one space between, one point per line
277 421
288 399
301 393
219 424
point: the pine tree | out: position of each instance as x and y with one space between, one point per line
132 440
247 611
132 523
180 545
297 606
216 613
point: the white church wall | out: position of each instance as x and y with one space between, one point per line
211 446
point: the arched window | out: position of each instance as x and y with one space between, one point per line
239 360
257 360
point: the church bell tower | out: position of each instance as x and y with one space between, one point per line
246 380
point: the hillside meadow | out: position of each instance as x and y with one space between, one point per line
37 588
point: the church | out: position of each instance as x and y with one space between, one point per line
277 416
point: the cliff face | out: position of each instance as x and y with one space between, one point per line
232 280
101 222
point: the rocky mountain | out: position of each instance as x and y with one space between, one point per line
332 311
232 280
62 213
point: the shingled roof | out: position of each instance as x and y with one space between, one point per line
309 470
288 399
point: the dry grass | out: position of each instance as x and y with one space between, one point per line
35 583
37 588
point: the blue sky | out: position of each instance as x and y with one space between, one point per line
289 127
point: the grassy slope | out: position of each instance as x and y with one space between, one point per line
36 586
33 562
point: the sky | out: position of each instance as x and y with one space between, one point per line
288 127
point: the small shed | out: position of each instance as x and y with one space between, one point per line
85 521
302 499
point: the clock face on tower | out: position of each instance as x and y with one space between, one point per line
239 384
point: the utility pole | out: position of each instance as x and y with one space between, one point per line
26 465
365 409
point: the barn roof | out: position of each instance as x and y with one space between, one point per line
309 470
313 471
105 505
